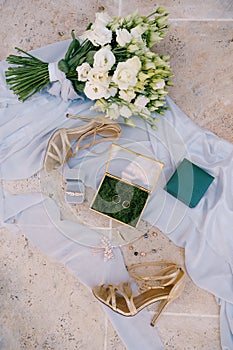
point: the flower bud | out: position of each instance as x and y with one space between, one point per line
161 10
162 20
129 122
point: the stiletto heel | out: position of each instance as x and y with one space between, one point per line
162 306
163 286
65 143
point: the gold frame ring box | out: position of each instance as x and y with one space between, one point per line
128 181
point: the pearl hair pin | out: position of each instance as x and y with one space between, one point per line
104 248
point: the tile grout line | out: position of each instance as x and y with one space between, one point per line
184 314
201 19
106 332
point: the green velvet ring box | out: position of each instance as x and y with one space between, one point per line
189 183
126 185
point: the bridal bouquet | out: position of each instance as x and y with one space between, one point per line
111 63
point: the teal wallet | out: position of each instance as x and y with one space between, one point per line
189 183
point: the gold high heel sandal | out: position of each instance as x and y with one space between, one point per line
164 285
60 150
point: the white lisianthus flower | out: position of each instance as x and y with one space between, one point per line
125 111
158 103
83 71
142 111
94 91
104 58
162 20
141 101
143 77
123 37
154 38
111 92
125 75
102 18
145 112
116 23
149 65
159 84
98 76
135 63
98 35
133 48
149 54
100 105
137 32
113 111
127 95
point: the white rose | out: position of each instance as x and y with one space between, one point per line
125 112
125 75
99 77
83 71
127 95
141 101
123 37
104 58
94 91
99 35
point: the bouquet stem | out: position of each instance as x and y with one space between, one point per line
28 77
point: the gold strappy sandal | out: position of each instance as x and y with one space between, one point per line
60 148
164 286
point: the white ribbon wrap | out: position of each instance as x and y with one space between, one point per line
61 86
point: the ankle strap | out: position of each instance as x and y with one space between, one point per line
166 275
76 116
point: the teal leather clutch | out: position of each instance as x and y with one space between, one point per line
189 183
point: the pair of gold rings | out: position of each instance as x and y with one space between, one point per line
117 200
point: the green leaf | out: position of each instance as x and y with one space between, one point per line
81 60
90 57
63 66
70 49
79 87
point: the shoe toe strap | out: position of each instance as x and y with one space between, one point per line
123 290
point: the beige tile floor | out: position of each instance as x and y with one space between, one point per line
43 306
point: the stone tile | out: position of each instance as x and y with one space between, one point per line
195 301
189 333
113 341
201 58
186 9
42 305
36 23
